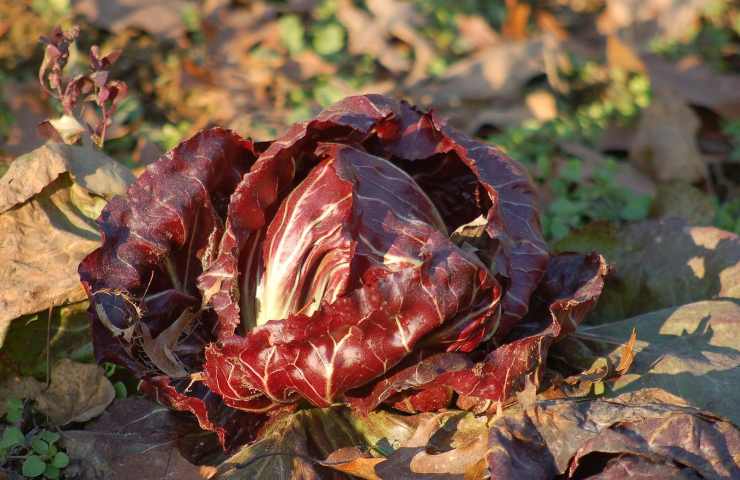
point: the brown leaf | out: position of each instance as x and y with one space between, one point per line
628 354
19 388
498 71
696 84
373 34
135 437
665 146
542 104
47 225
354 462
574 437
162 19
556 437
27 109
475 31
77 393
645 19
547 22
573 352
621 55
292 447
659 264
692 351
28 175
436 445
486 87
43 242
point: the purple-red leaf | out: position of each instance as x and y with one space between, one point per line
370 255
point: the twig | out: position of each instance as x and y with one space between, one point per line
48 347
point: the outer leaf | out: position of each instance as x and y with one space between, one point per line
570 289
156 242
290 444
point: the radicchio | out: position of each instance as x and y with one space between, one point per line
370 255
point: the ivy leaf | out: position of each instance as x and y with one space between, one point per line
328 39
51 472
61 460
14 410
49 436
121 390
33 466
39 446
12 436
291 33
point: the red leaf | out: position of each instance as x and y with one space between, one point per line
335 263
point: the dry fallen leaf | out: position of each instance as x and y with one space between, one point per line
571 438
78 392
19 388
29 174
542 104
498 71
621 55
437 445
27 109
162 19
47 222
645 19
475 31
373 33
696 83
486 87
665 146
549 438
135 438
292 446
573 352
659 264
517 19
692 351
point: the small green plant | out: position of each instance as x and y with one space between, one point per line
728 216
120 387
574 200
36 453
